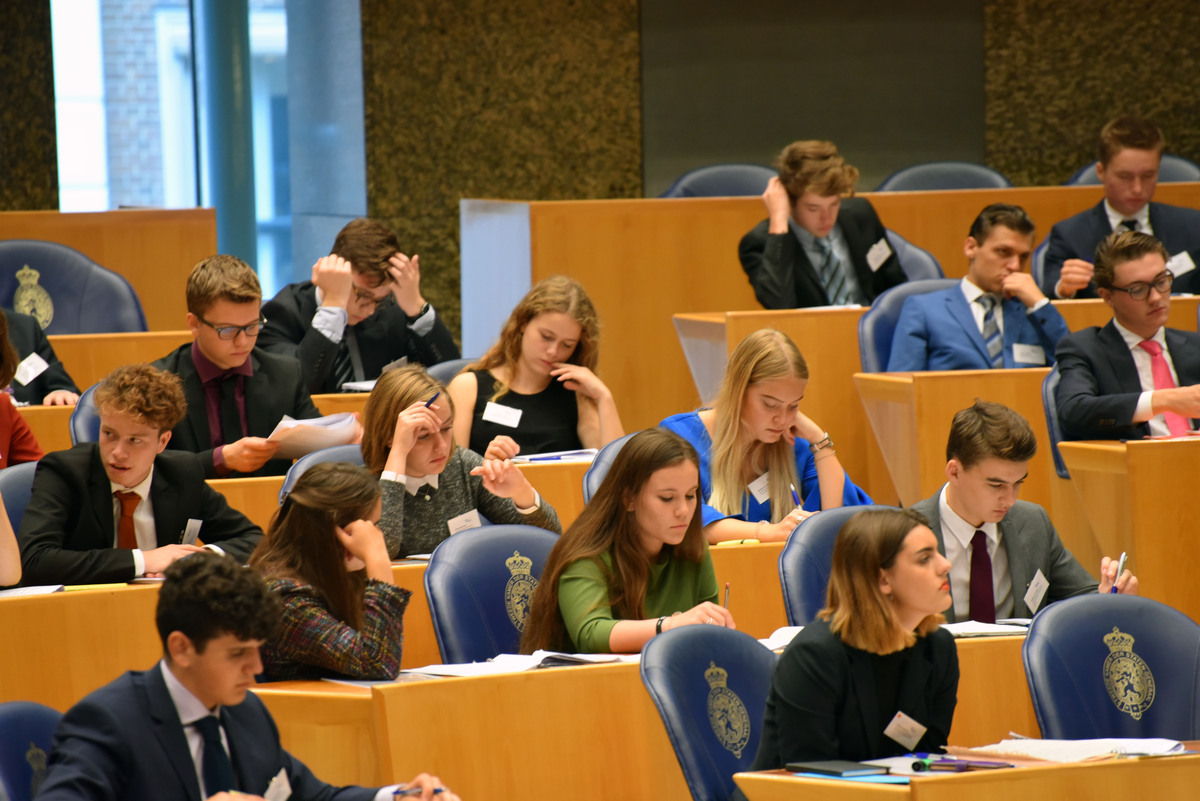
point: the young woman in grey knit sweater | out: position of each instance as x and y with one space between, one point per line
430 487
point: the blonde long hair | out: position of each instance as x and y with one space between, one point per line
762 356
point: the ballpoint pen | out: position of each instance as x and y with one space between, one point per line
429 402
726 604
795 495
406 792
1120 570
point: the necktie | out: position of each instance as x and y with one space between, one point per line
126 535
1128 225
983 602
231 415
347 365
214 763
830 271
1176 423
992 338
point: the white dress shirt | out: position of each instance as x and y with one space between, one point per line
1144 411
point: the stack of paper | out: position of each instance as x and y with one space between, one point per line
297 438
1073 750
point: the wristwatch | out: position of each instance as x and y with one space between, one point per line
419 314
824 443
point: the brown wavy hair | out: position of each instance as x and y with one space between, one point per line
394 392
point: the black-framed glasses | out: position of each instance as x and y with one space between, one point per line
1141 290
365 298
231 331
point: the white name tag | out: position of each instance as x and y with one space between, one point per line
1036 592
30 368
1181 263
502 415
758 487
192 532
280 789
905 731
1028 354
463 522
878 254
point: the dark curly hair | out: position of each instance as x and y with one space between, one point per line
207 595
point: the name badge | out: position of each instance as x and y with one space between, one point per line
1028 354
280 789
502 415
463 522
1181 263
758 487
880 252
30 368
192 532
905 731
1036 592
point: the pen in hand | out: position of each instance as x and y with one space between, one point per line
795 495
1120 570
429 402
726 604
407 792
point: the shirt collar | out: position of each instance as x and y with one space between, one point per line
414 483
187 706
210 372
808 241
1132 339
142 488
963 531
973 292
1115 217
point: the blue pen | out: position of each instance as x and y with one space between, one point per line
429 402
795 495
411 791
1120 570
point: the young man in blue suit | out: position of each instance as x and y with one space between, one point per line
1131 149
997 316
187 728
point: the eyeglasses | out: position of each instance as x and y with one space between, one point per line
1140 290
365 298
231 331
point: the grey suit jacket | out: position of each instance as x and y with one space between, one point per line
1032 544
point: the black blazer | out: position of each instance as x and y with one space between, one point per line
67 533
28 337
1099 388
784 278
823 702
276 388
1077 237
125 742
382 338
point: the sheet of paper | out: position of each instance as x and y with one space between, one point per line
1077 750
971 628
781 637
41 589
583 455
299 437
359 386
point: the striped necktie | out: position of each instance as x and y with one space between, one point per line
831 274
991 331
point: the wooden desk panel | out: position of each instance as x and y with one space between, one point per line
755 596
257 498
51 425
90 357
336 403
1080 314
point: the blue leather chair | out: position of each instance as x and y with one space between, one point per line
479 585
1053 424
943 175
722 180
85 298
1037 262
878 324
1170 169
338 453
918 263
16 487
85 420
444 371
26 732
710 685
806 560
598 469
1114 666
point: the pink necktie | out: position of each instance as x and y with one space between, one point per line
1176 424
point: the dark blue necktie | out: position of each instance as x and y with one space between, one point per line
214 762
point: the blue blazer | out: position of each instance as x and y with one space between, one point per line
1077 237
937 331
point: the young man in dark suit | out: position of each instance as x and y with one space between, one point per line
1006 559
236 394
1131 149
819 245
122 507
49 385
1133 377
187 728
362 311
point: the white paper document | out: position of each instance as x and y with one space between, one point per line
971 628
781 637
583 455
359 386
519 663
42 589
299 437
1076 750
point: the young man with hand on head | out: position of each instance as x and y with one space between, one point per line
362 311
997 317
121 508
819 246
236 394
1134 377
1131 150
188 728
1006 559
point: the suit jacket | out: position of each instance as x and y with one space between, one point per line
125 742
382 338
1099 386
1032 544
67 532
784 278
937 331
276 388
1077 237
823 702
28 337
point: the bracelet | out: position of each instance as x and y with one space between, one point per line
818 458
824 443
658 625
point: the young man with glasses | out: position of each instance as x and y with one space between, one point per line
236 394
1134 377
361 312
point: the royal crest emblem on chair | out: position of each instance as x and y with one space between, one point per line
32 298
518 593
1127 677
726 713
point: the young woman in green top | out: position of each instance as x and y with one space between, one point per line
635 562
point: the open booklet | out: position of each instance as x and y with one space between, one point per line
1029 750
297 438
518 663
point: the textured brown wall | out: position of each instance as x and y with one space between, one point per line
512 99
28 156
1057 70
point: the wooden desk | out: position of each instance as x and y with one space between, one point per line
51 425
90 357
257 498
1138 497
1080 314
755 596
558 733
336 403
828 338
